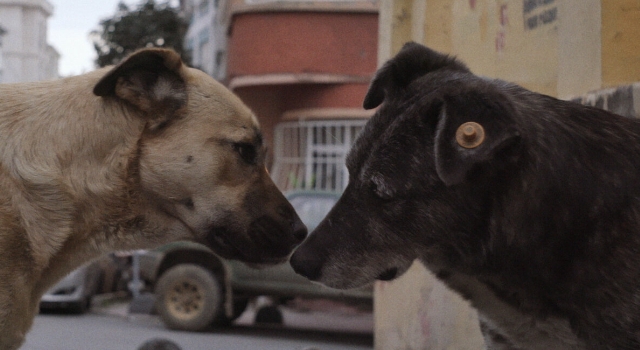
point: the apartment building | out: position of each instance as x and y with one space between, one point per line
26 55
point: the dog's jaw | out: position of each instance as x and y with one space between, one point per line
340 272
388 275
264 242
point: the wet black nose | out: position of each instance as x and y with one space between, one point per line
306 266
299 230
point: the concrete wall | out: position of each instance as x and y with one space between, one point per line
562 48
620 44
551 46
623 100
417 312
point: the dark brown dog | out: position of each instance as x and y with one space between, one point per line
526 205
127 157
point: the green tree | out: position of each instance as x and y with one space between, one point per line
151 24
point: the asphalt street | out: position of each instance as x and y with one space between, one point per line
114 328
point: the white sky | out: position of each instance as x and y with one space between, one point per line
69 28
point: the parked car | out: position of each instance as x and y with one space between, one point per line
75 291
195 288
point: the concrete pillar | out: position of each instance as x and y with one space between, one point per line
416 311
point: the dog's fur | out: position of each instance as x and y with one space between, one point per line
538 227
132 156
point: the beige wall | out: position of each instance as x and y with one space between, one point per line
552 48
620 42
563 48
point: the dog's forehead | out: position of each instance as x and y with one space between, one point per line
364 150
225 110
418 100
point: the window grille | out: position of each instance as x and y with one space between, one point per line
310 155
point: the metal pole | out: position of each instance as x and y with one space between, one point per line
135 286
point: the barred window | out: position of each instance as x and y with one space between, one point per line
310 155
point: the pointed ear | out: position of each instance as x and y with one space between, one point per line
472 129
150 80
412 62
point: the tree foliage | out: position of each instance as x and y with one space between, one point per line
150 24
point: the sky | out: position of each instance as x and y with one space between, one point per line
69 28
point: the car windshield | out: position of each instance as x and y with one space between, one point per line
312 208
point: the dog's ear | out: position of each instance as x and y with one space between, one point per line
150 80
412 62
472 129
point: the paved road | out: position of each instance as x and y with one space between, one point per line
110 331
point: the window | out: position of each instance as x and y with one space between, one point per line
310 155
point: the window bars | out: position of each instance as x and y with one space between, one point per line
310 155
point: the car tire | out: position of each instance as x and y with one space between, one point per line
190 298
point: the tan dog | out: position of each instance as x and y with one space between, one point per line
148 152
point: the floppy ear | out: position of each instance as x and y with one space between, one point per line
412 62
472 129
150 80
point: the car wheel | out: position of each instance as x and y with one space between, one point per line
190 298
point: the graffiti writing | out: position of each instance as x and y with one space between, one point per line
501 35
530 5
538 13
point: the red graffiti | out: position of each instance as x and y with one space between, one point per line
501 35
472 4
501 40
425 323
504 18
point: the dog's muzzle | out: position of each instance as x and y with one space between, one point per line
267 241
388 275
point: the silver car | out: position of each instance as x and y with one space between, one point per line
196 289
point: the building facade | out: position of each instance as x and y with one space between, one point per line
304 69
26 55
303 66
206 36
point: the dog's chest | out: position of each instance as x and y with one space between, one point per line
505 327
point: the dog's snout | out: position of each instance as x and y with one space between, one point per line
299 230
306 266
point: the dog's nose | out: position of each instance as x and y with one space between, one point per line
310 268
299 230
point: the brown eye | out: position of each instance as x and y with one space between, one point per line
247 152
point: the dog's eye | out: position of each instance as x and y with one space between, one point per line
247 152
380 188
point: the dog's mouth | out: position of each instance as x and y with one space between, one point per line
388 275
218 240
265 243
